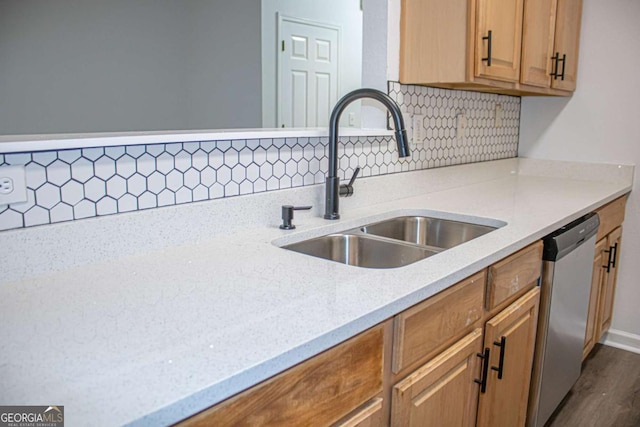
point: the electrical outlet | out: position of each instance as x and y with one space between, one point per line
352 119
13 185
408 127
498 116
461 127
418 129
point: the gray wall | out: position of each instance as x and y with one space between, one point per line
116 65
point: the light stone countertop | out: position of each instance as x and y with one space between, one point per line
147 318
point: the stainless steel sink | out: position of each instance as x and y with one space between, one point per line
362 251
394 242
426 231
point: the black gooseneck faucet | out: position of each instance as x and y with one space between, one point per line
332 181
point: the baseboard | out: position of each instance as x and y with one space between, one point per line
622 340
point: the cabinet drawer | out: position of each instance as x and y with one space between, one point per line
369 415
513 275
611 216
318 391
423 329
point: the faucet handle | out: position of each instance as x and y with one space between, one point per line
346 190
287 215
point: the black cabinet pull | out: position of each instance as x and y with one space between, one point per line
485 370
554 65
611 262
564 62
555 74
614 249
488 39
502 344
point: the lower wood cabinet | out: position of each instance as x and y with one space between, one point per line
483 378
443 392
605 311
457 387
511 337
606 262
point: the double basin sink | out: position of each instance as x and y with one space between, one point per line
391 243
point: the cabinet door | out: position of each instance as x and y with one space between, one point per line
537 42
567 42
609 288
499 29
434 41
511 337
598 278
441 392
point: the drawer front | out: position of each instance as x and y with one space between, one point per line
319 391
369 415
611 216
513 275
425 328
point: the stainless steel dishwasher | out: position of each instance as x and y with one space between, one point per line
564 303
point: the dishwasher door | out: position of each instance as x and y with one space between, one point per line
567 275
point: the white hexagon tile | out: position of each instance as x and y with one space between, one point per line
67 185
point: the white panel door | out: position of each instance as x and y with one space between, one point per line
307 72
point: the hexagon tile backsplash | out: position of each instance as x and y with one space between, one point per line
65 185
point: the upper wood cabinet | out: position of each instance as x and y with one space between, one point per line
537 42
567 42
515 47
498 39
550 41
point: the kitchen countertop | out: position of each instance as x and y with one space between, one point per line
152 335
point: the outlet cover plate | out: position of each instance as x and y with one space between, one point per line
13 185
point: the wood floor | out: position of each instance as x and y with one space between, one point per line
607 393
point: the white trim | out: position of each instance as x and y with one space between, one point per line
28 143
622 340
